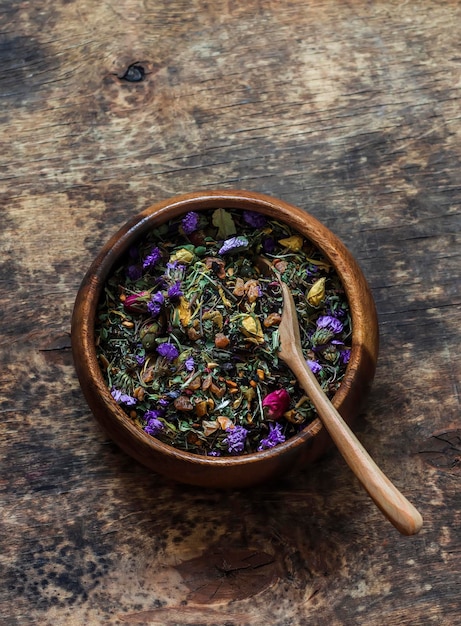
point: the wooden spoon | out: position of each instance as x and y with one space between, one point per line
398 510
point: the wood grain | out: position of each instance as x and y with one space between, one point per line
347 109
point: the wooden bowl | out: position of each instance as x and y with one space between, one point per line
238 471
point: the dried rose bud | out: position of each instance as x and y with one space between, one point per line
136 302
276 403
316 293
149 334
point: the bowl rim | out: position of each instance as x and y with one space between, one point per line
95 388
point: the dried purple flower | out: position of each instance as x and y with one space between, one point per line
314 366
312 270
331 308
269 244
234 244
154 306
134 272
175 270
189 364
190 222
168 350
152 259
257 220
154 425
235 440
140 359
175 291
214 453
275 437
133 252
330 323
345 356
152 414
122 398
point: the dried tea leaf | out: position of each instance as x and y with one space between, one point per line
224 222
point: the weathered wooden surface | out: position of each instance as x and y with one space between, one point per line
349 110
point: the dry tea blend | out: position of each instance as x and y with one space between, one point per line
187 332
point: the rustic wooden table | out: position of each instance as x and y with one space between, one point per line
350 110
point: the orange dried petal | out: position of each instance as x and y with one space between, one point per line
225 422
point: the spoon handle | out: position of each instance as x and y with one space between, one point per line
398 510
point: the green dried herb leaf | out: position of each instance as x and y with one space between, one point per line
223 221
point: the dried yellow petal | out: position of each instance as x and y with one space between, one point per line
227 303
251 328
201 408
215 316
317 292
225 422
250 395
294 417
183 310
236 403
209 427
294 243
182 256
321 264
